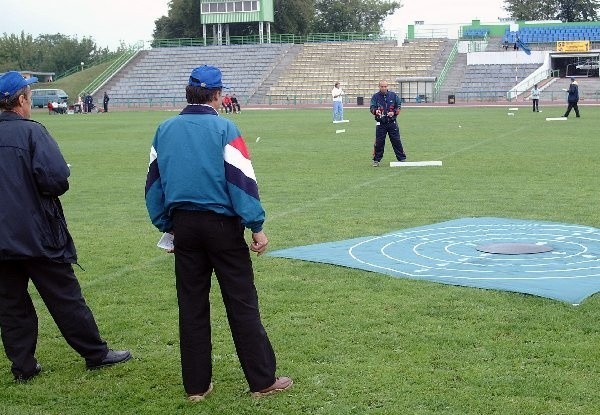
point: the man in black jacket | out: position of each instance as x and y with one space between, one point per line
573 98
35 243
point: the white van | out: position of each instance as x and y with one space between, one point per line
40 97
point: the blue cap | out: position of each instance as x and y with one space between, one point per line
206 76
12 81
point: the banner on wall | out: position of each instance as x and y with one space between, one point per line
573 46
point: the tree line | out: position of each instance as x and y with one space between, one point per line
297 17
48 53
300 17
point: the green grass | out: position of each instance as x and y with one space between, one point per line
354 342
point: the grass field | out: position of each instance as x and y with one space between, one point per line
354 342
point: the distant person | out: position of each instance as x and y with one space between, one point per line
226 103
338 102
572 98
89 103
50 107
385 106
505 45
58 108
202 188
105 100
79 105
535 98
37 246
235 104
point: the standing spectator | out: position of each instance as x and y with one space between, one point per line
105 101
385 106
201 187
89 103
79 104
338 106
572 98
37 246
235 104
535 98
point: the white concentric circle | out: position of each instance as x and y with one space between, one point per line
449 252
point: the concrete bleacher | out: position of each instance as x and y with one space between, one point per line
358 66
160 75
554 89
494 80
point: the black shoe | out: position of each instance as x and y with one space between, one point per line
112 358
22 378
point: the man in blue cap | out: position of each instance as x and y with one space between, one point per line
35 243
201 187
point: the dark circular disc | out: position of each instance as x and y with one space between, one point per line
514 248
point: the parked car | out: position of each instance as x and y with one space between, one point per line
40 97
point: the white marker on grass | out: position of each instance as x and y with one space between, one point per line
257 139
415 163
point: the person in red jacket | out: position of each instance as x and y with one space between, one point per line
226 104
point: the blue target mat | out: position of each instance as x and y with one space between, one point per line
447 253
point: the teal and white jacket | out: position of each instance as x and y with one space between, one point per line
199 161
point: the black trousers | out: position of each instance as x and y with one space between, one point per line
206 241
572 105
391 129
60 291
536 106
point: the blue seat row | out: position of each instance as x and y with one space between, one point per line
475 33
553 34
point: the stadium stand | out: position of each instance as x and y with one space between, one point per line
492 81
292 74
359 66
159 76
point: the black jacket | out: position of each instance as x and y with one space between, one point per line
33 173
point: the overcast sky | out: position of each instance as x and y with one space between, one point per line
108 22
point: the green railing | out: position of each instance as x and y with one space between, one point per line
112 69
442 77
275 38
78 68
